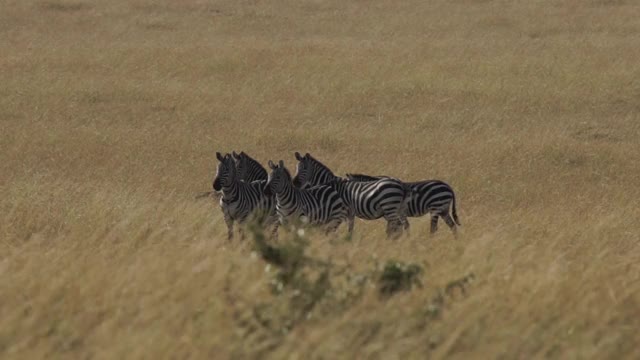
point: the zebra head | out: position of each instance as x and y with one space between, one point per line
311 172
226 172
279 178
304 171
247 168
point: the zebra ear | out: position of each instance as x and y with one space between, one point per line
235 155
281 163
298 156
219 156
307 155
272 165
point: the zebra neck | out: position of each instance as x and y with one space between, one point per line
230 193
288 195
323 178
256 171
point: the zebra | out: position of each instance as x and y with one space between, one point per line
248 169
367 200
241 200
430 196
320 205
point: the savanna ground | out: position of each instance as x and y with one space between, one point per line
111 112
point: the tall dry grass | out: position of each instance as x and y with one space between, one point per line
110 114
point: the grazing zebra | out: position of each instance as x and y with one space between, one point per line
320 205
430 196
249 169
367 200
241 200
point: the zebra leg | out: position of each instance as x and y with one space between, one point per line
350 222
281 221
406 225
229 221
332 227
241 232
394 229
395 223
434 223
447 219
274 232
389 229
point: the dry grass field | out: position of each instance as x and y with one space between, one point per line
111 113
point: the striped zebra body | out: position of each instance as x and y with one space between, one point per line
320 205
242 201
433 197
384 198
249 169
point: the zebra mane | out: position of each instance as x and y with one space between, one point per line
363 177
252 161
320 164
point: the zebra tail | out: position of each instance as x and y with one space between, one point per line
453 210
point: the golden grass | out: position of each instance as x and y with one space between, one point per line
111 112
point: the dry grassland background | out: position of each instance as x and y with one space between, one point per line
111 113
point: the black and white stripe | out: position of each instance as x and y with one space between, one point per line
249 169
320 205
241 200
433 197
384 198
